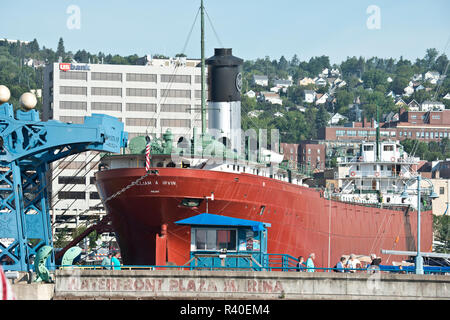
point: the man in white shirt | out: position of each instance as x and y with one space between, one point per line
353 263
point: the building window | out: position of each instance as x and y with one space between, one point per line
106 76
178 78
104 91
210 239
94 195
73 105
73 90
75 195
71 180
175 108
340 133
140 92
106 106
72 75
441 190
174 93
71 164
388 148
141 107
141 77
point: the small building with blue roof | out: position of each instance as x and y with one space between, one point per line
225 242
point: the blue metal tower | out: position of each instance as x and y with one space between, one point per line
27 147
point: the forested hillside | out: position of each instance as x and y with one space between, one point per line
369 82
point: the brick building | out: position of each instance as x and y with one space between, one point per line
422 125
290 152
311 155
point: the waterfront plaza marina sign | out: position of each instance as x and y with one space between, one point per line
71 67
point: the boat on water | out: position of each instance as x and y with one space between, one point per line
227 172
303 220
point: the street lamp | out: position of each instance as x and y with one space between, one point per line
405 195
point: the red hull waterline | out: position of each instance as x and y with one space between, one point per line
302 221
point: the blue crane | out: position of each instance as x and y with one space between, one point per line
27 147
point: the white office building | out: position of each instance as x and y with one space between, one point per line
148 99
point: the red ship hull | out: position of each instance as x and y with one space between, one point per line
302 221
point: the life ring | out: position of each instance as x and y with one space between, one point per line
377 174
400 174
393 159
353 173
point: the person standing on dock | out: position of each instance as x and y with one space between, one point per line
106 262
374 264
310 262
301 264
353 263
115 261
340 265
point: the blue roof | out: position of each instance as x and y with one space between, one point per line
208 219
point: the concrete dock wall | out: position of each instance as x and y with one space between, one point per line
176 284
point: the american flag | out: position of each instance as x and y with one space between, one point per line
147 157
6 292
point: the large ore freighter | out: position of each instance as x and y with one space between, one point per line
220 172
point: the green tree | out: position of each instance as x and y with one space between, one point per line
373 78
399 84
441 227
60 51
343 99
34 46
322 118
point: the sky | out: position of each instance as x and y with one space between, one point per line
253 28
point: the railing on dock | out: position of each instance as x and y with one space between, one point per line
281 263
